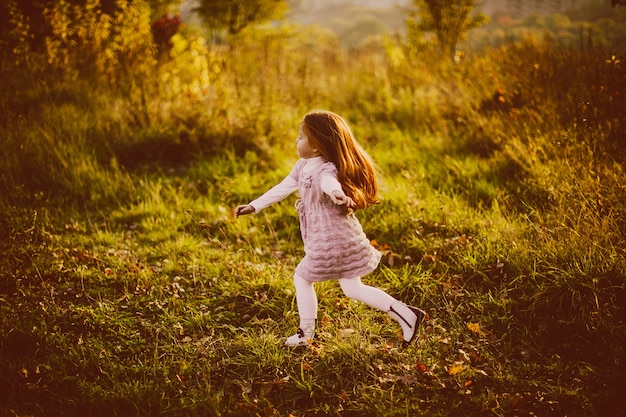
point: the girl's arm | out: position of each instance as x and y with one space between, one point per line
331 186
275 194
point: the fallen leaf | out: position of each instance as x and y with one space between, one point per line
388 378
408 379
456 368
474 327
421 367
346 332
476 357
380 246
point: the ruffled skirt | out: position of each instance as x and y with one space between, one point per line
335 245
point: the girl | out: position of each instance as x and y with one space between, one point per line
334 176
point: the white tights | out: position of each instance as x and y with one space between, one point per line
352 288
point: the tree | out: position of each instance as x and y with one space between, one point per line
235 15
18 16
450 20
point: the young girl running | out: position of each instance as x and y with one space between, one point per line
334 177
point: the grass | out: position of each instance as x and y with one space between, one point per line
130 289
171 305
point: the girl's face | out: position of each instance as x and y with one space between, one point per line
305 149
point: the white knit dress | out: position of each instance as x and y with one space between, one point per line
335 245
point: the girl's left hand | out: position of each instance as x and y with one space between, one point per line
341 199
244 209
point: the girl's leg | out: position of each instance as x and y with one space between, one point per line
408 317
373 297
307 310
305 298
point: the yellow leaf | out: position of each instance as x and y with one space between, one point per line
456 368
474 327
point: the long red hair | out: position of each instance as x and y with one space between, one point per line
331 135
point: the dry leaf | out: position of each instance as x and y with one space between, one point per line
346 332
408 379
475 328
456 368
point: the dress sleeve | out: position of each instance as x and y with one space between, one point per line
328 178
278 192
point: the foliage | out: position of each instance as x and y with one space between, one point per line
16 32
164 28
129 288
235 15
587 27
28 17
115 48
450 20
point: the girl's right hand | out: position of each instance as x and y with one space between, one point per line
243 209
339 198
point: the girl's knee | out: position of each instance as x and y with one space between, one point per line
351 287
301 282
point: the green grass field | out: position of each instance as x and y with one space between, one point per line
129 288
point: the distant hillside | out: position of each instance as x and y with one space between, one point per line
353 22
356 21
522 8
312 5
